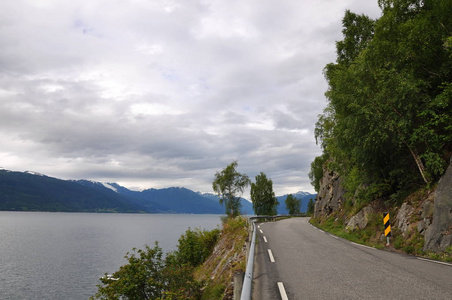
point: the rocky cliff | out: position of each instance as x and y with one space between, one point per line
438 235
424 220
331 194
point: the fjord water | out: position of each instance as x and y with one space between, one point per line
62 255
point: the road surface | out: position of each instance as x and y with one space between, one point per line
295 260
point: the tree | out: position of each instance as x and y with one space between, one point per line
316 172
229 185
389 114
311 207
293 205
263 197
149 276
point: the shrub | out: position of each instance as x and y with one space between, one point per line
148 276
196 245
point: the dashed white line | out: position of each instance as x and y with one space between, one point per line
272 259
265 239
334 236
322 230
282 291
261 230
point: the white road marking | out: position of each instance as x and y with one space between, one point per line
282 291
258 226
322 230
272 259
334 236
435 261
261 230
265 239
364 246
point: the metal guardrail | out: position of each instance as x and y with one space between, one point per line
248 280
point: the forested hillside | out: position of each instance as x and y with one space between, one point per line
387 128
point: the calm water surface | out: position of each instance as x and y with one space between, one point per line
62 255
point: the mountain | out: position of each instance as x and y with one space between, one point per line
29 191
247 206
303 196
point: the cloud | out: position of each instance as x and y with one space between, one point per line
166 93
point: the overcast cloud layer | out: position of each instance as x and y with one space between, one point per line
154 94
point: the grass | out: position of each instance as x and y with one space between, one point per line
227 258
412 243
369 236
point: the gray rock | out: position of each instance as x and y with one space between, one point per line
403 218
427 209
331 194
361 219
439 235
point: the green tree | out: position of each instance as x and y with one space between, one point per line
388 121
316 172
149 276
293 205
311 207
229 186
263 197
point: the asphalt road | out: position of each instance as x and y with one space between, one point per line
307 263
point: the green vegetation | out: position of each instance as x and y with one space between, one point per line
187 273
387 128
412 242
228 258
263 197
196 245
293 205
229 185
150 276
371 235
311 206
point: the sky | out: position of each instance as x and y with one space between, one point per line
165 93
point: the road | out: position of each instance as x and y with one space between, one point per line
307 263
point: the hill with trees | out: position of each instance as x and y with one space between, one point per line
386 132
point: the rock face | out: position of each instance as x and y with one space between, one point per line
331 194
438 236
361 219
403 218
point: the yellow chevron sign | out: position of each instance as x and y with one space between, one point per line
387 225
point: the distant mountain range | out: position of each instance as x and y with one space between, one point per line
31 191
303 196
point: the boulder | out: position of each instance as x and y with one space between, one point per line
361 219
403 218
438 236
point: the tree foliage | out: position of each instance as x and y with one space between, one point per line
230 185
293 205
311 207
263 197
151 275
148 275
389 113
316 172
196 245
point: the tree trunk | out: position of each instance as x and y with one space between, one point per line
419 163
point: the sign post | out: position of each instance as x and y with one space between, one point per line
387 227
